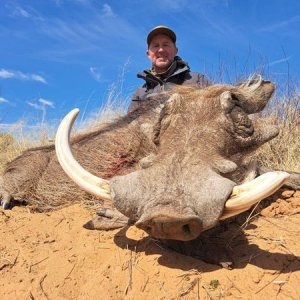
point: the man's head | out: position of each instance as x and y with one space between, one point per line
161 48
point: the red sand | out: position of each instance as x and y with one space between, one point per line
51 256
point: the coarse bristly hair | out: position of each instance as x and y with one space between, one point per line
113 149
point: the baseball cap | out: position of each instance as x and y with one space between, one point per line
161 30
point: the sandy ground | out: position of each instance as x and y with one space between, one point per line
51 256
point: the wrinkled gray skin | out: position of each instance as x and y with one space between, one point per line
182 158
202 137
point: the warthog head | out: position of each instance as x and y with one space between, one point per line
182 189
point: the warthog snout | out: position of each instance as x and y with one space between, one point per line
183 228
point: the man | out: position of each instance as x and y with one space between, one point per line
167 68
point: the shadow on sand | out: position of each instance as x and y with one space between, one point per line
224 246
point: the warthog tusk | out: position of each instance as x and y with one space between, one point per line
87 181
247 194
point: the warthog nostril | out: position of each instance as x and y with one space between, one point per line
186 229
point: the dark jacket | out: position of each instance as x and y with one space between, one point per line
178 74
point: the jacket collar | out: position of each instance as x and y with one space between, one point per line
149 77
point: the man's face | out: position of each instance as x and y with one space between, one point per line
161 52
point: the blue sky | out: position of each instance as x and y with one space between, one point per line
59 54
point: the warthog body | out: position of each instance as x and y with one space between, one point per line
171 164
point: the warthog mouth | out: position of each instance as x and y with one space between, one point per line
242 197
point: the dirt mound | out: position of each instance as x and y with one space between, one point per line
288 203
51 256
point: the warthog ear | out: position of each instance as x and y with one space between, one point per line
168 111
241 126
254 94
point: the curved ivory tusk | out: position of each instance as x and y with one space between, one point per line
247 194
87 181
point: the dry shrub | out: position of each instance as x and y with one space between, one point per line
114 107
19 138
7 149
283 152
10 148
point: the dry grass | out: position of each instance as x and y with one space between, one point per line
10 148
17 139
283 152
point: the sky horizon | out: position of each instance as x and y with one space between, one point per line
59 54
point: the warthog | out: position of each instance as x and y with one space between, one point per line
170 167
